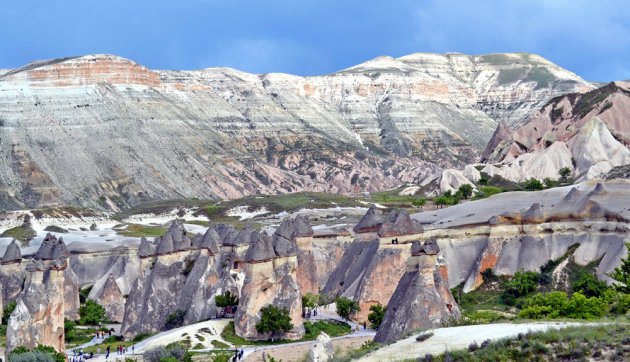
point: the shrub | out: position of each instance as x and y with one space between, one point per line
175 320
564 173
38 354
376 317
6 313
345 307
227 299
621 274
274 320
556 305
589 285
419 202
91 313
533 184
466 190
521 284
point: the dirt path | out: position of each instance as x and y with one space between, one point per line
454 338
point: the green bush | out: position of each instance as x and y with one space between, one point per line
274 320
533 184
227 299
377 314
521 284
91 313
419 202
466 190
557 305
345 307
175 320
589 285
38 354
6 313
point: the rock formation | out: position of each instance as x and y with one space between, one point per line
112 300
271 279
360 123
322 349
11 273
372 266
584 132
422 298
493 233
38 317
182 272
302 235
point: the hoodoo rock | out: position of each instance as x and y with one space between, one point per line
112 300
11 273
180 272
12 254
271 266
38 317
302 235
422 298
374 263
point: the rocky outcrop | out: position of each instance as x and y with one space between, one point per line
398 223
184 272
301 233
322 349
584 132
112 300
271 279
12 254
38 317
360 126
422 298
489 234
370 270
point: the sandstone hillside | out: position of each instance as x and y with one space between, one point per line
104 131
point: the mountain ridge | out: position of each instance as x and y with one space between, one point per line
104 131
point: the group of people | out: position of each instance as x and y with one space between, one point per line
307 315
80 356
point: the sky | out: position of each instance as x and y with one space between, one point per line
304 37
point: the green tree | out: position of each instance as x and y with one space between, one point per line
441 200
466 190
521 284
483 180
6 313
309 300
69 328
227 299
589 286
533 184
564 173
274 320
419 202
549 183
91 313
346 306
377 314
621 274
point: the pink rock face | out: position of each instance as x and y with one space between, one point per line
307 267
93 69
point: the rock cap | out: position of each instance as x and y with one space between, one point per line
12 254
370 222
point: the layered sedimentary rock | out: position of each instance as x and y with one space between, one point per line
523 230
372 266
273 132
38 317
271 279
422 298
112 300
588 133
181 272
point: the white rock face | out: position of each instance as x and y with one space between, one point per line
322 350
104 130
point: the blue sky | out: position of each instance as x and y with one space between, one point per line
590 38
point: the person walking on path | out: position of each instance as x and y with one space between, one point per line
364 325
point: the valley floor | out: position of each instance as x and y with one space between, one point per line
455 338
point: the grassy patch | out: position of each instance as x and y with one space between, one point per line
219 344
24 233
598 342
331 327
55 229
138 231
